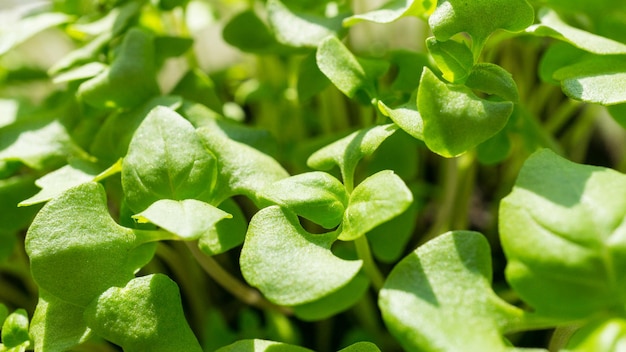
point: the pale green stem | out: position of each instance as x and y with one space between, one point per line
365 254
231 284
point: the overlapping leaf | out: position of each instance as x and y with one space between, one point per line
445 286
166 159
562 230
394 10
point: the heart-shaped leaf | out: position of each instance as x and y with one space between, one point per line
494 80
444 286
289 265
15 335
406 117
188 219
455 119
378 199
456 16
316 196
562 230
76 249
144 315
166 159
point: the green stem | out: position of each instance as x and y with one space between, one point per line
365 254
237 288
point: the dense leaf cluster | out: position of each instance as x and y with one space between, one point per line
153 203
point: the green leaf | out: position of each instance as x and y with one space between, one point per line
558 55
553 26
361 347
348 151
455 119
494 80
598 79
454 59
52 184
13 34
334 303
247 32
343 69
166 159
188 219
479 18
39 143
406 117
311 29
76 249
442 287
316 196
311 80
410 65
603 335
12 218
15 330
242 169
144 315
198 86
618 112
130 80
225 234
57 325
562 232
378 199
289 265
85 71
171 46
393 11
114 135
257 345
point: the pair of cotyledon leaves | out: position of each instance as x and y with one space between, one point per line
563 232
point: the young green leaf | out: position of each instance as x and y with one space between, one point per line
598 79
76 249
289 265
454 59
188 219
347 151
406 117
144 315
455 119
257 345
494 80
557 56
78 171
242 169
85 71
38 143
198 86
553 26
311 29
479 18
225 234
442 287
112 139
334 303
343 69
166 159
130 80
562 232
247 32
15 335
57 325
378 199
394 10
316 196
